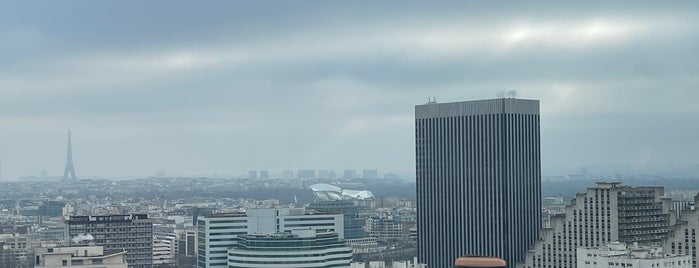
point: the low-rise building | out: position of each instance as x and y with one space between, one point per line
616 255
80 256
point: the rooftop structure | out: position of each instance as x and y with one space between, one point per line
79 256
617 254
327 192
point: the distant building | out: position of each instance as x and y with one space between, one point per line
306 174
353 224
79 256
680 205
385 229
218 232
391 176
133 233
287 174
616 255
264 174
186 242
323 174
684 238
252 174
349 174
298 248
370 174
17 247
51 208
164 244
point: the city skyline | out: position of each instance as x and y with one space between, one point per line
229 87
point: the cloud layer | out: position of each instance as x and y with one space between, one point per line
223 87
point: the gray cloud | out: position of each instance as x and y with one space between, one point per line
227 86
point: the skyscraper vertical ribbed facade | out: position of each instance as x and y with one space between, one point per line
478 179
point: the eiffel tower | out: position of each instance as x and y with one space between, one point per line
70 169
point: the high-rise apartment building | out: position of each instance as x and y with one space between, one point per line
478 179
133 233
603 214
218 232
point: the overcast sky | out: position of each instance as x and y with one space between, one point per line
206 87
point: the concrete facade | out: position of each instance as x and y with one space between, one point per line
133 233
603 214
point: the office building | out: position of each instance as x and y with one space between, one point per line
349 174
287 174
79 256
478 176
186 242
618 255
218 232
385 229
603 214
683 238
297 248
264 174
252 174
306 174
332 199
133 233
164 244
370 174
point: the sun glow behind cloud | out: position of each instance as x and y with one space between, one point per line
575 35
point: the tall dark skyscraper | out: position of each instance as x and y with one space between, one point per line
478 179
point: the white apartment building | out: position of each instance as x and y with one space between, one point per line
80 256
617 255
219 232
605 213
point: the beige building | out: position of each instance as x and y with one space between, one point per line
684 238
618 255
605 213
79 256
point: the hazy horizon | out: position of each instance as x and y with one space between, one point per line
225 87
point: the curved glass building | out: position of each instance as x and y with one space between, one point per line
298 249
